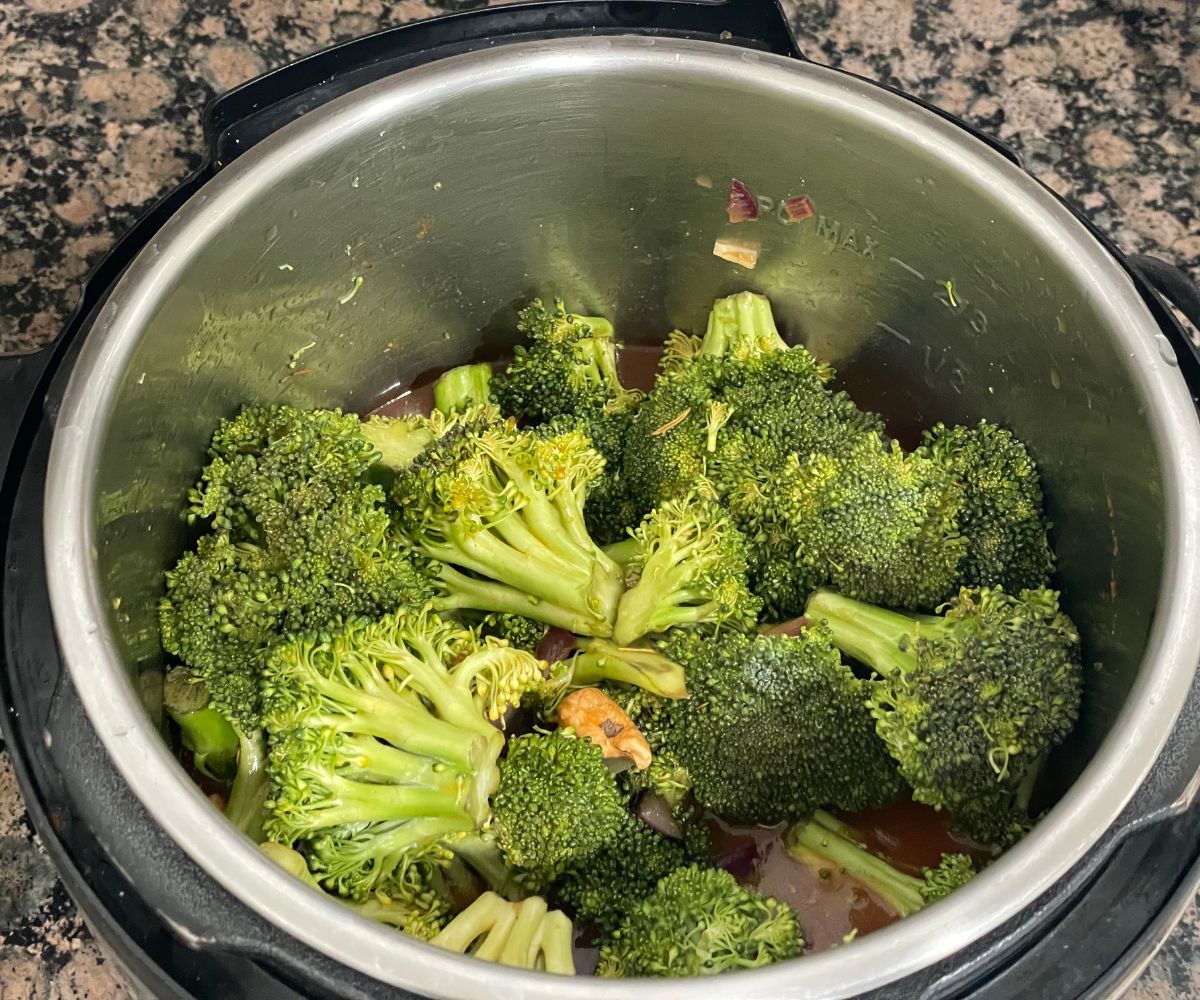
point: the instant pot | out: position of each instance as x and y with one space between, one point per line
363 214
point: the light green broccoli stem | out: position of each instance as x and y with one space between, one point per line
526 935
398 440
203 730
624 552
246 808
825 841
461 387
883 640
599 660
484 858
741 326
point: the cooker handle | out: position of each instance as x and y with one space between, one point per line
246 115
1173 284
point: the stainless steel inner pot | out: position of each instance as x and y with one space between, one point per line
374 238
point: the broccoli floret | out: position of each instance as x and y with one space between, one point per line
1002 516
599 660
517 630
824 842
557 804
604 888
568 368
202 730
462 387
700 922
774 727
501 511
526 935
296 538
416 905
381 745
670 781
690 570
969 700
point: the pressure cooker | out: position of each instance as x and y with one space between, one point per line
377 209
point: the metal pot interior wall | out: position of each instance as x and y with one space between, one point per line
384 245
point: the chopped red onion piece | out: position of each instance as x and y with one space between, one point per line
799 208
557 644
656 814
743 206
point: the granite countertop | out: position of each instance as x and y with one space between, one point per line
100 104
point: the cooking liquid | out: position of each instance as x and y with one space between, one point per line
831 905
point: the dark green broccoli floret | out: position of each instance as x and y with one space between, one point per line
690 569
380 742
825 842
1002 517
603 889
598 661
567 377
416 904
203 730
967 701
463 387
557 804
517 630
526 935
501 511
700 922
297 539
774 727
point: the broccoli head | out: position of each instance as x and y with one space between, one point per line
557 803
604 888
967 701
381 746
1002 517
501 512
690 569
526 934
416 904
700 922
774 727
825 842
517 630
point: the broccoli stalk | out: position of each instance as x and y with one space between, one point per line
599 660
741 327
700 922
501 511
381 745
202 729
823 842
967 700
462 387
690 570
527 935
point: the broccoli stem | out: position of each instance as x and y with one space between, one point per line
398 440
741 326
473 593
461 387
524 935
599 660
484 858
624 551
883 640
247 798
203 730
824 840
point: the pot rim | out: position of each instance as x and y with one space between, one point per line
1018 878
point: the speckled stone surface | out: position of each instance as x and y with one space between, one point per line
100 105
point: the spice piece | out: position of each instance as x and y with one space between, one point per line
595 716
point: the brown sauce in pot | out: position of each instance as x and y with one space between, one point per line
909 835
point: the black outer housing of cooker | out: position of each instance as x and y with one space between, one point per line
174 931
